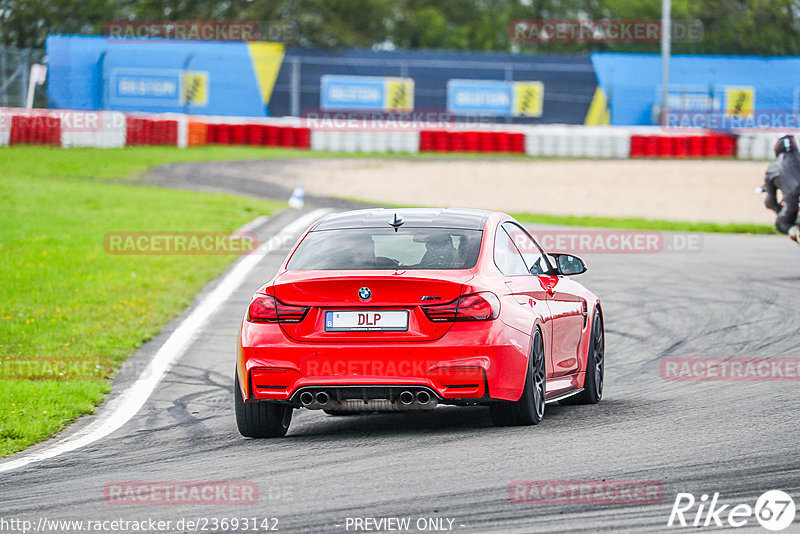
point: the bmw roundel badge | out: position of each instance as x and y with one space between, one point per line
364 293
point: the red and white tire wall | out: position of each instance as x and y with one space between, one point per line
110 129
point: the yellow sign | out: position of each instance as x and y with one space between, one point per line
267 59
598 113
195 88
528 99
399 94
740 101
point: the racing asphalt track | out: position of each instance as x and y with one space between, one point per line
737 297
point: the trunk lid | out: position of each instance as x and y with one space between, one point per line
389 291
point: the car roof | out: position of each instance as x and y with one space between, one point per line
461 218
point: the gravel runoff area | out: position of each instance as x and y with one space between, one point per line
714 191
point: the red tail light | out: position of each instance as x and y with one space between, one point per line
483 306
266 309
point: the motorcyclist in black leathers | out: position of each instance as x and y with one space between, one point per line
784 174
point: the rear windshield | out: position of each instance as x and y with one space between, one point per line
383 248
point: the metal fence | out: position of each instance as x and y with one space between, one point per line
15 71
569 81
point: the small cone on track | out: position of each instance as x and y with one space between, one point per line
297 200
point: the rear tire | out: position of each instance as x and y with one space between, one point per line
595 366
261 419
529 409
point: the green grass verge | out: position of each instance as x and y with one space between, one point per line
36 161
645 224
619 223
122 162
70 313
33 410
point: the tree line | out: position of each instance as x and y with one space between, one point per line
752 27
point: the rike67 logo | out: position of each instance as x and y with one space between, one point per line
774 510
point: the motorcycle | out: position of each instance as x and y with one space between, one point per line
761 189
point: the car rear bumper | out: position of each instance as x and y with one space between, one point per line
473 362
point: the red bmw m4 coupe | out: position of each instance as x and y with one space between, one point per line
385 310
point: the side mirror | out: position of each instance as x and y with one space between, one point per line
569 265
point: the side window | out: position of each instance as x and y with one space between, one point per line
531 253
506 256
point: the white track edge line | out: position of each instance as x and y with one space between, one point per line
128 403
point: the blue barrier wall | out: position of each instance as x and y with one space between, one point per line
158 75
252 79
632 83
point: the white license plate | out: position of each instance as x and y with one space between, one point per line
366 321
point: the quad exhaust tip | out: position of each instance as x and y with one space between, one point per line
406 397
423 397
306 398
323 398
